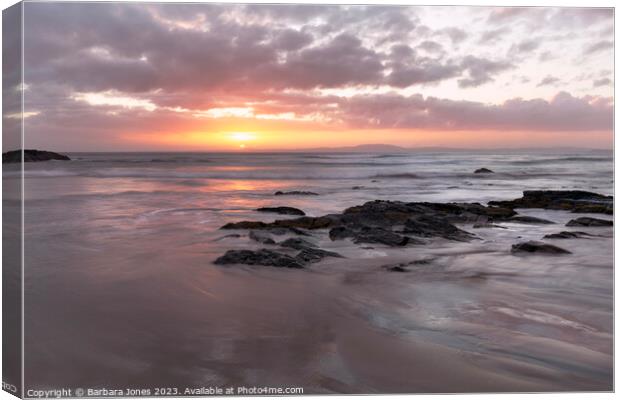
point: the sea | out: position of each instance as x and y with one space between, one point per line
122 293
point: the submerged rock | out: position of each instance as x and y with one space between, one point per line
369 234
15 156
537 247
303 222
295 193
261 238
483 171
260 257
572 200
524 219
432 226
281 210
297 243
588 221
487 225
232 235
312 255
566 235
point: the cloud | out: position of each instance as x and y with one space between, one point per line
481 70
526 46
599 46
290 39
562 113
122 67
602 82
493 35
457 35
548 81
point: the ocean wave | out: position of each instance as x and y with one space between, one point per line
561 159
407 175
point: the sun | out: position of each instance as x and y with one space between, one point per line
242 136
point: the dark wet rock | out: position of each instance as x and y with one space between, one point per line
483 171
303 223
524 219
231 236
397 268
312 255
297 243
15 156
566 235
587 221
283 231
260 257
357 187
402 267
261 238
487 225
370 234
571 200
432 226
537 247
281 210
295 193
308 222
246 225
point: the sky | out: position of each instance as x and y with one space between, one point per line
196 77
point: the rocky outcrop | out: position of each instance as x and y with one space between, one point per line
369 234
15 156
537 247
483 171
571 200
303 223
295 193
566 235
397 224
260 257
433 226
281 210
587 221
